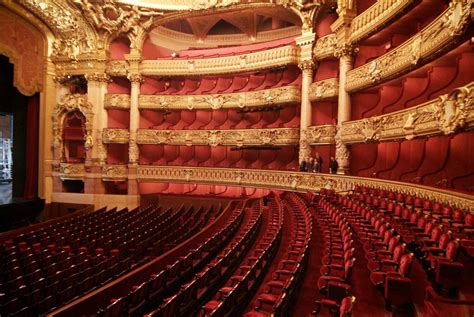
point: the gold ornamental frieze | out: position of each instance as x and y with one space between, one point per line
275 57
321 134
243 137
287 180
115 136
275 96
72 171
375 17
325 47
443 115
324 89
117 101
114 172
434 40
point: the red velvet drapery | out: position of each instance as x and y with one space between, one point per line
31 155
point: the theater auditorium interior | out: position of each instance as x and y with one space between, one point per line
237 158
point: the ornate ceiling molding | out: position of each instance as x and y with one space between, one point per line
25 48
267 137
74 35
115 136
275 96
287 180
375 17
117 101
436 39
324 89
443 115
321 134
325 47
276 57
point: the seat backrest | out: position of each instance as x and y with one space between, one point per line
393 243
436 233
348 267
387 235
447 211
427 204
444 239
437 208
347 305
469 220
452 250
405 264
398 252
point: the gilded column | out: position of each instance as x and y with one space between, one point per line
306 64
133 153
96 88
344 53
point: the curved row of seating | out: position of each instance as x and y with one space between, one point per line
230 299
162 287
69 270
288 275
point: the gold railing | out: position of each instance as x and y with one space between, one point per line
282 95
321 134
324 89
325 47
443 115
278 137
115 135
375 17
120 101
275 57
286 180
435 39
114 172
71 171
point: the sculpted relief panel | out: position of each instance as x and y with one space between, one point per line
219 137
443 115
282 95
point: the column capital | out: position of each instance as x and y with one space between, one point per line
306 65
97 77
135 78
345 49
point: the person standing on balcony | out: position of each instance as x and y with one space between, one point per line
333 165
318 165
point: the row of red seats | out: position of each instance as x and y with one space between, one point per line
95 274
229 298
220 269
337 260
278 293
155 290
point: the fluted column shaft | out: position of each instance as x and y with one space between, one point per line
134 118
305 113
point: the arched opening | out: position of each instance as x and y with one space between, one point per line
73 137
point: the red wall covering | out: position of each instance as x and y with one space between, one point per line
428 161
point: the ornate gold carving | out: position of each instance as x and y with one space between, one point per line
306 65
74 35
133 151
228 64
26 52
280 137
120 101
433 40
321 134
135 78
324 89
114 172
345 49
98 77
343 155
453 110
286 180
325 46
115 135
375 17
69 103
117 68
71 171
444 114
281 95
